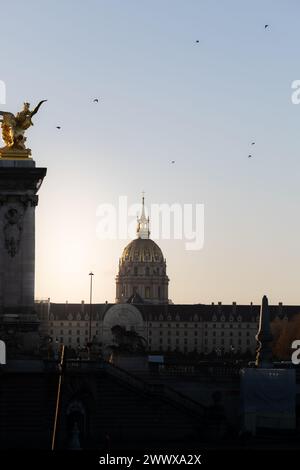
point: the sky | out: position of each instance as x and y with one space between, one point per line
162 97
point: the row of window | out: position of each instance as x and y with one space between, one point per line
185 333
177 341
70 332
156 271
147 292
186 349
210 320
161 325
79 341
197 325
72 324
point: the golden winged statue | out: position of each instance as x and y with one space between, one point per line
14 126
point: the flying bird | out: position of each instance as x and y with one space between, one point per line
197 41
249 156
266 26
252 143
58 127
173 161
96 100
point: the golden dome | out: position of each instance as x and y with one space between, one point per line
142 249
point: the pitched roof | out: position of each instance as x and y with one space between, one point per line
172 312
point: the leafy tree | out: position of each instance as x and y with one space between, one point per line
285 331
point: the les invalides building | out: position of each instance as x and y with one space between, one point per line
142 304
142 269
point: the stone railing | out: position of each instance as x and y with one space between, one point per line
159 389
73 365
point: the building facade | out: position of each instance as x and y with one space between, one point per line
197 328
142 305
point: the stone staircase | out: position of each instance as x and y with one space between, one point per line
121 407
27 404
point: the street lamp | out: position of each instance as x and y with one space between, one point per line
91 292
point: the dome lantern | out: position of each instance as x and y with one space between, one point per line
143 223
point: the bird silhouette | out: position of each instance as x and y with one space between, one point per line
252 143
197 41
249 156
96 100
58 127
266 26
173 161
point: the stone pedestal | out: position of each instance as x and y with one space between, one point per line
130 362
20 181
14 154
268 399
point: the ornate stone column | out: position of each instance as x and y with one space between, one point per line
20 181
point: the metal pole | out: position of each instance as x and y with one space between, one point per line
91 293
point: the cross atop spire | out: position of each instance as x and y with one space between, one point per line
143 222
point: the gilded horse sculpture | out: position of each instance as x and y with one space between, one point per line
14 126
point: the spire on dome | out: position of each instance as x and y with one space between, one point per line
143 223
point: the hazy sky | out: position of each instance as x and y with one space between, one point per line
162 97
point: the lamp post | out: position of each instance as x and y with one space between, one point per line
231 350
91 293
